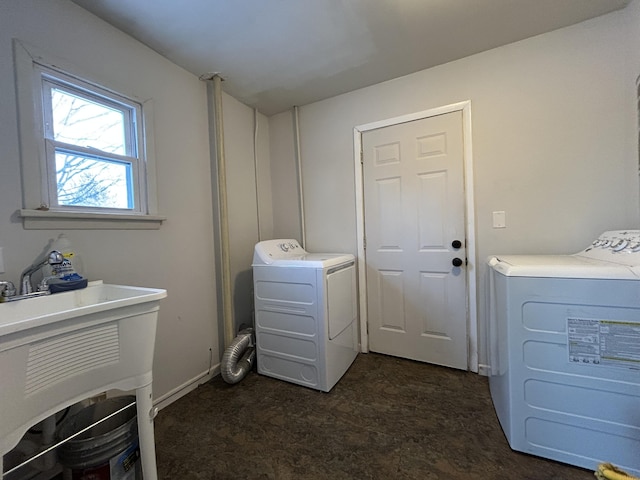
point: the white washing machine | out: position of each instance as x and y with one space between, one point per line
305 313
564 344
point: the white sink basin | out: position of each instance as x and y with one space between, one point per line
58 349
96 297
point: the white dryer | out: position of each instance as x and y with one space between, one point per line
564 344
305 313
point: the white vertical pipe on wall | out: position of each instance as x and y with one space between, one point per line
255 168
225 261
296 144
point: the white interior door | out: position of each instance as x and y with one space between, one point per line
413 183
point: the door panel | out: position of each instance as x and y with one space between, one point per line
414 209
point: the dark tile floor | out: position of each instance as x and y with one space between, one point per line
387 418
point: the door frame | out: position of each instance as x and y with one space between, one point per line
471 300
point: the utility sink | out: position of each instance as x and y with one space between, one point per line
48 309
62 348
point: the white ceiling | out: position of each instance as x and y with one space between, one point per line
274 54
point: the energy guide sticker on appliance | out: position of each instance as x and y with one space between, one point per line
604 342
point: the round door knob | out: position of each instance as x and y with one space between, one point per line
456 262
456 244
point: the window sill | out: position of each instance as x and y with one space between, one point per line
47 219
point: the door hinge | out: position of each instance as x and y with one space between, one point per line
364 243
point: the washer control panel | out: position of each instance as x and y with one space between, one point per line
290 246
619 246
269 250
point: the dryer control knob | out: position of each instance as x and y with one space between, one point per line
619 245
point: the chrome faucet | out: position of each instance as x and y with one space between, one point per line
54 258
7 288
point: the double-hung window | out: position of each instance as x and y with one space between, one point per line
86 149
93 158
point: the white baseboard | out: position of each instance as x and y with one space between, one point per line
188 386
484 369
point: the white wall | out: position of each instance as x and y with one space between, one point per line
244 189
178 256
633 45
554 142
284 177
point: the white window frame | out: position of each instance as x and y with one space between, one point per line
40 207
132 111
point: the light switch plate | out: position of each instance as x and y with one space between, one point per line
499 220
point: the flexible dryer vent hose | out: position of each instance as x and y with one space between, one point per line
238 358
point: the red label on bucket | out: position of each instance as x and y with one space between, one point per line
124 466
103 472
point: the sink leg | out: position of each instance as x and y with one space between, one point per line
144 407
